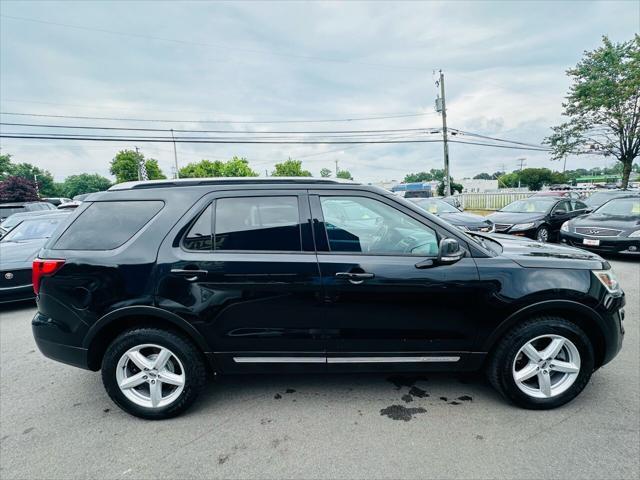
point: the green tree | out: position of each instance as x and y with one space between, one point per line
46 184
603 106
84 183
290 168
325 173
455 187
17 189
344 174
533 178
483 176
418 177
5 166
203 168
124 166
236 167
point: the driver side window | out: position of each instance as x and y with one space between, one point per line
368 226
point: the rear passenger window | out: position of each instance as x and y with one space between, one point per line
199 236
107 225
257 223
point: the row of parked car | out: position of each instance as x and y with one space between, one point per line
24 229
606 222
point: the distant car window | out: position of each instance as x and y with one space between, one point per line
530 205
435 206
107 225
622 207
563 205
200 235
378 229
257 223
32 229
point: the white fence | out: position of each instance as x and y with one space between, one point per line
490 201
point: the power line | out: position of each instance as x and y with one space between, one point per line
139 129
355 119
224 47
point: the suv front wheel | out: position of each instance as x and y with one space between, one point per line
542 364
153 373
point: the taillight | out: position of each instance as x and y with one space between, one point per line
43 268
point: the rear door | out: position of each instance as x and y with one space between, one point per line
244 271
387 303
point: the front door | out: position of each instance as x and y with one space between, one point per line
387 301
245 274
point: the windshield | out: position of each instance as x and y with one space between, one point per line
435 206
32 229
621 206
530 205
597 199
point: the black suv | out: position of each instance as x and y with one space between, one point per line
157 283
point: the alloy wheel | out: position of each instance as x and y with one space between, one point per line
542 235
150 376
546 366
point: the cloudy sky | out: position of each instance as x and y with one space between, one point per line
199 62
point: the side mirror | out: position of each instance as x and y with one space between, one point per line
449 251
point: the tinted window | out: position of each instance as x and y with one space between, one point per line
107 225
377 229
200 235
578 205
564 205
257 223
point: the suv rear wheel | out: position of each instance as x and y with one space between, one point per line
153 373
542 364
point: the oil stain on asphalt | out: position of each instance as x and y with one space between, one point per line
400 412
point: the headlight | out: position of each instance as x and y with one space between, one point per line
608 279
635 234
565 226
522 226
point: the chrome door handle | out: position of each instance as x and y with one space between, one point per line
355 278
192 275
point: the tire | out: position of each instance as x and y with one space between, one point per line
543 234
178 380
509 360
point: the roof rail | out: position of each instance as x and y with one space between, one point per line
189 182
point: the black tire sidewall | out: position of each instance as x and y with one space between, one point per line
530 331
188 355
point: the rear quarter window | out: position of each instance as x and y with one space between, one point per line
107 225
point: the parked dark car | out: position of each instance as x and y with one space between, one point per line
154 283
600 198
612 228
9 208
18 248
539 218
56 201
446 211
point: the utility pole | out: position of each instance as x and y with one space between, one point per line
35 182
521 160
175 154
441 106
142 168
336 168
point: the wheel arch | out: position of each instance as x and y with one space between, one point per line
108 327
586 318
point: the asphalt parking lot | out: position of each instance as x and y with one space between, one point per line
57 422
